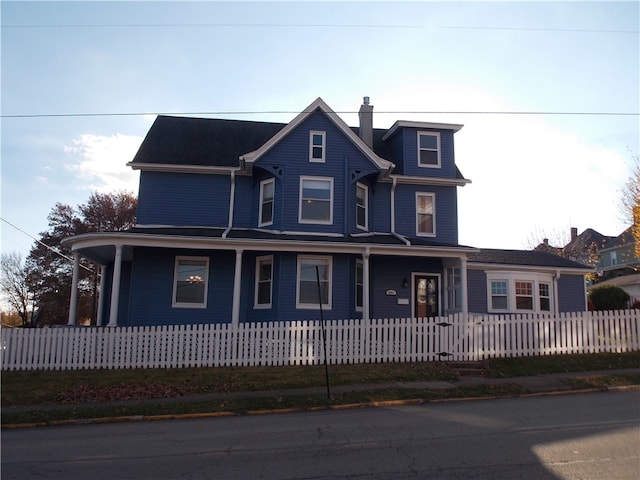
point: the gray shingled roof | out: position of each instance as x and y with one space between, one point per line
531 258
202 141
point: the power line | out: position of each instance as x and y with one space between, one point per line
57 252
315 25
291 112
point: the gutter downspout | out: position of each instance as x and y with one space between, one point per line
232 196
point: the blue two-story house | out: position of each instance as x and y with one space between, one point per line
243 221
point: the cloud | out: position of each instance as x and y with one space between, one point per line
101 162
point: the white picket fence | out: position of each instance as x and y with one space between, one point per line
453 338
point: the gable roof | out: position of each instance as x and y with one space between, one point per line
201 141
528 258
319 104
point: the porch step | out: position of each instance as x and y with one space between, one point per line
469 369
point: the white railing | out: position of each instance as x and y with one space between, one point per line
456 338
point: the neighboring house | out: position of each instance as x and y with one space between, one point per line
243 221
618 264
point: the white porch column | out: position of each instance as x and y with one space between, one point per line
73 301
365 285
115 288
464 301
102 295
235 312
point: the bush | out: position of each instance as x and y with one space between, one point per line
609 297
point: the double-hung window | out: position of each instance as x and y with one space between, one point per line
267 188
316 200
317 146
191 276
309 292
425 214
429 149
545 297
520 292
264 282
524 295
362 203
499 295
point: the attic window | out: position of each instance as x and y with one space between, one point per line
317 146
429 149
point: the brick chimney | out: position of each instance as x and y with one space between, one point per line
366 122
574 233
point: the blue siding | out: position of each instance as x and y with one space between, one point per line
152 289
389 273
571 290
404 144
341 158
446 211
477 291
380 206
183 199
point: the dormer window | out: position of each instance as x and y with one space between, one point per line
429 149
317 142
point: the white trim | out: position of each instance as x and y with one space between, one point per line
202 304
259 261
323 146
430 181
263 183
433 214
364 187
300 198
413 292
511 277
422 125
329 263
438 149
108 239
177 168
382 164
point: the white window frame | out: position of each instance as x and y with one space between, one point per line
301 199
453 289
511 277
328 260
518 283
438 149
548 296
174 302
263 184
323 146
359 266
365 188
433 214
490 283
260 261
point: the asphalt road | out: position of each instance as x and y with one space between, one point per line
588 436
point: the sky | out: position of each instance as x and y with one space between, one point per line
548 93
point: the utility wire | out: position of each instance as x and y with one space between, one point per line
291 112
316 25
57 252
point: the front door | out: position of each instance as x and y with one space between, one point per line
426 296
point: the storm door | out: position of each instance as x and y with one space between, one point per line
426 295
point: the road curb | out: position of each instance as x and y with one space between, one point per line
280 411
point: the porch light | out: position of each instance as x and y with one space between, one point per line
405 283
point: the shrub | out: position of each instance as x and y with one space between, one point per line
609 297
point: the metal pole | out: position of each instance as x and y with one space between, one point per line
324 337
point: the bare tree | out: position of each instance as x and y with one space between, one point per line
14 281
630 192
